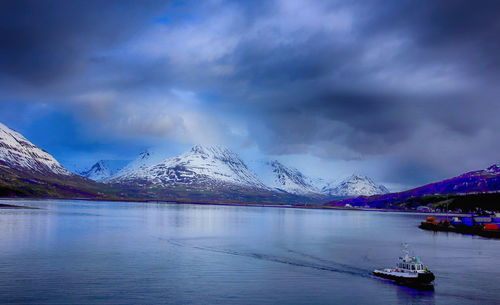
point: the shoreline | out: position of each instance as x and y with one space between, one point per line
477 230
267 205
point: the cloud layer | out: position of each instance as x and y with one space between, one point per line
410 86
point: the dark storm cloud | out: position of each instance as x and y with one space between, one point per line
365 123
415 82
456 28
443 74
45 40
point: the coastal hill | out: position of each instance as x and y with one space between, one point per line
484 182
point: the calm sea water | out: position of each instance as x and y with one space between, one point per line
145 253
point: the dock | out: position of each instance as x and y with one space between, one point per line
486 226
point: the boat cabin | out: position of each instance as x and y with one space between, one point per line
411 267
410 264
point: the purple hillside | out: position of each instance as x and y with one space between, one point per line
481 181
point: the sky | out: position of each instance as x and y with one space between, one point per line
406 92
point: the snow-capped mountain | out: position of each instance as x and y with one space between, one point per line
355 185
16 152
207 167
216 166
280 177
104 169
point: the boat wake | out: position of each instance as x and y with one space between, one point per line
320 264
346 268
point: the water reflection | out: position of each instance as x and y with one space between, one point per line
129 253
415 295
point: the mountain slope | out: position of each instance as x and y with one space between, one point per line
28 171
280 177
17 152
355 185
481 181
104 169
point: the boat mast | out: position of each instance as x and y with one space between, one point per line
405 250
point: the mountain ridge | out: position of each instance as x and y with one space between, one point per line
478 181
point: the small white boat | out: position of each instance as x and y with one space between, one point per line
409 271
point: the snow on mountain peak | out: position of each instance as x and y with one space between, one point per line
200 149
215 151
18 153
356 185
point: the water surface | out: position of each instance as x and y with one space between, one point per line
142 253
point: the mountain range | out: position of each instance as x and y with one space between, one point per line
205 174
217 167
209 174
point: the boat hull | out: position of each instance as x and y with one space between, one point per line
407 279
